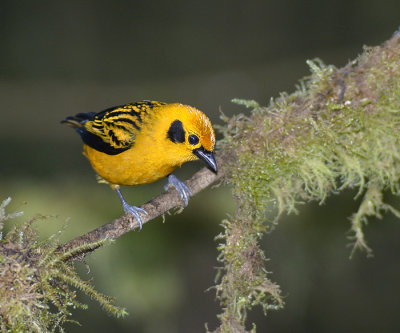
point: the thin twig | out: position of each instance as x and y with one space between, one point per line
155 207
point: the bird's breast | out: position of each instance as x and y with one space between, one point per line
131 167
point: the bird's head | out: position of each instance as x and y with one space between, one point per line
192 133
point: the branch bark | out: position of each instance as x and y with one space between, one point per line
155 207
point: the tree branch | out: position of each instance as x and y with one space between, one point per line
155 207
303 130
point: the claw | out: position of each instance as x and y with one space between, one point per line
133 210
183 190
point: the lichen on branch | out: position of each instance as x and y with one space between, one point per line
339 130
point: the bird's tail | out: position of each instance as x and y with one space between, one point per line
78 120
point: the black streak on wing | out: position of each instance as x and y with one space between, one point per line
97 143
128 121
176 133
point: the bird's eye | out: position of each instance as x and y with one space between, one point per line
193 140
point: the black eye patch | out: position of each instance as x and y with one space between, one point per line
176 133
193 139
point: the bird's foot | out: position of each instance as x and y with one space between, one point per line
183 190
133 210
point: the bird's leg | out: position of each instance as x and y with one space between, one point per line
183 190
131 209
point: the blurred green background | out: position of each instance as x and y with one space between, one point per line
59 58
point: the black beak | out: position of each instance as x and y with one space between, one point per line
207 157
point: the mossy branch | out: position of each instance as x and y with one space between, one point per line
37 283
339 130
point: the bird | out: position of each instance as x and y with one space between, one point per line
141 142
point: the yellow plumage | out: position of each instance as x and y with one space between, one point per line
141 142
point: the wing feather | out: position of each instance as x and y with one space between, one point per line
114 129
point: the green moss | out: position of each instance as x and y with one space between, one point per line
338 131
38 284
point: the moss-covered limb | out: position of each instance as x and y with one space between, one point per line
37 284
339 130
